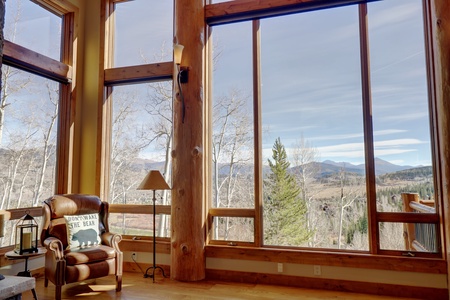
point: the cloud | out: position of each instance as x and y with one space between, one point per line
356 135
405 117
356 150
398 143
393 15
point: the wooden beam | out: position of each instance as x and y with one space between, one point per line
18 213
59 8
257 133
137 74
33 62
139 209
232 212
438 13
188 222
244 10
399 217
374 232
67 111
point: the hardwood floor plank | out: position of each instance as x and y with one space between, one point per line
136 287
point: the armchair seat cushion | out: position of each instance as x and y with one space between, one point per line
89 255
82 272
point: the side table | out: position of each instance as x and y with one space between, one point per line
26 256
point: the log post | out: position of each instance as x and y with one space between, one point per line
440 22
408 228
2 38
188 222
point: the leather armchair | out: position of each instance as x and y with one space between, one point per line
64 265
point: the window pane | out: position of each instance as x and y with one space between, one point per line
234 229
33 27
314 188
28 124
421 237
141 141
143 33
401 119
140 224
232 136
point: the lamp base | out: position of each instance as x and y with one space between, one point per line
146 275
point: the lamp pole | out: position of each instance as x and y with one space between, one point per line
154 234
154 267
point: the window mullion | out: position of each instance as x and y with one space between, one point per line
368 131
258 223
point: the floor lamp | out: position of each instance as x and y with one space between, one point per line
154 181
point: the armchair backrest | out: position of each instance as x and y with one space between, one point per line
56 207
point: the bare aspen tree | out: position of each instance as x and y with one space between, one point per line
230 144
128 140
349 193
160 108
125 146
48 135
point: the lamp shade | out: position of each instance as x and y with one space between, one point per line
153 181
177 53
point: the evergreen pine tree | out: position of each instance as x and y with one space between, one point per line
284 211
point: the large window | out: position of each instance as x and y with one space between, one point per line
141 141
141 110
343 139
312 115
30 105
232 137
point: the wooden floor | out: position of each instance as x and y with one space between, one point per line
136 287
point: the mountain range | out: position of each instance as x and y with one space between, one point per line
381 167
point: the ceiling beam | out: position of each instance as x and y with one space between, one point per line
245 10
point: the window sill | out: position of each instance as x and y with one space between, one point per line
325 258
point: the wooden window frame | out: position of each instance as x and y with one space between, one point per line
116 76
61 71
245 10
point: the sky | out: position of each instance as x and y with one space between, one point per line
311 82
36 28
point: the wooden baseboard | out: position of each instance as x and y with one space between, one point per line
329 284
311 283
142 267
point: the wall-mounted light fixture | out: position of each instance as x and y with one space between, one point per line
182 75
177 55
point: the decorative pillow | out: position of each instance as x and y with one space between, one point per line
82 230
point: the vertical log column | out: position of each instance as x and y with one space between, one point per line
188 237
2 38
440 14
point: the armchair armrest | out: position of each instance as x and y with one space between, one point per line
55 262
111 239
54 247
